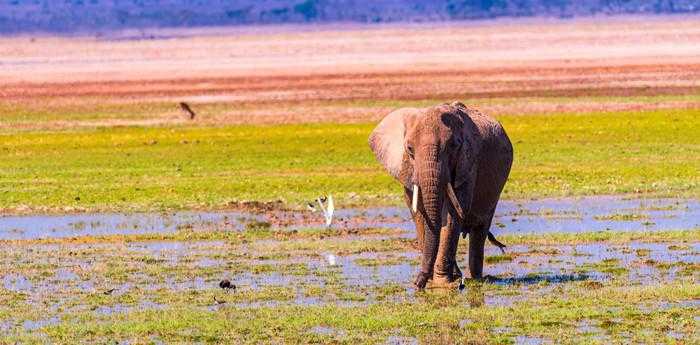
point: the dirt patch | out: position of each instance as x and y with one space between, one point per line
349 75
257 207
347 98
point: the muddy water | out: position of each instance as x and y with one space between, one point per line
540 216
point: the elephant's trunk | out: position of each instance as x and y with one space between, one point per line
431 183
432 197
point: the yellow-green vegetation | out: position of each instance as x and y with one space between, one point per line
498 258
387 260
433 319
611 266
623 217
135 168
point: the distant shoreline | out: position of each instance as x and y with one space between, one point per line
171 32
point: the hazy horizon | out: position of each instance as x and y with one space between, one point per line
99 17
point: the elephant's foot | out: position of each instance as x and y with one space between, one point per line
444 282
447 279
422 280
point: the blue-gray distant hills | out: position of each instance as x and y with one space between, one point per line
71 16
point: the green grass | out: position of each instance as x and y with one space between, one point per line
432 318
134 168
95 109
622 217
498 258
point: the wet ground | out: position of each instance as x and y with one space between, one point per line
45 284
522 217
55 275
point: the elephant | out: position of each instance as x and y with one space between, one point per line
453 162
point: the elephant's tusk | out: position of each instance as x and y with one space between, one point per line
455 203
414 201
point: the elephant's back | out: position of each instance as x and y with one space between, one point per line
491 132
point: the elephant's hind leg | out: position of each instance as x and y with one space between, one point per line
477 239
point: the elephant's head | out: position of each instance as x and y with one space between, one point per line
428 151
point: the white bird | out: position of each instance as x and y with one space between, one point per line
331 259
327 210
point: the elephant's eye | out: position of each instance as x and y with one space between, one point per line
409 149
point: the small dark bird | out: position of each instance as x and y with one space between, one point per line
109 292
226 284
184 106
310 206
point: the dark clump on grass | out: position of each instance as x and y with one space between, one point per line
257 225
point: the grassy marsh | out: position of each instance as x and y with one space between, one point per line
79 141
135 168
143 289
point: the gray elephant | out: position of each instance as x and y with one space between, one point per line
453 162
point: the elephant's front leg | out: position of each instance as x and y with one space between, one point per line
421 227
454 242
446 270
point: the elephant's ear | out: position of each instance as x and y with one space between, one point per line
465 170
387 143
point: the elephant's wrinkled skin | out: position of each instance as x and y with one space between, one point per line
435 149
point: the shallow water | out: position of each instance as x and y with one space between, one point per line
523 340
59 226
328 331
397 340
366 277
31 325
58 278
16 283
539 216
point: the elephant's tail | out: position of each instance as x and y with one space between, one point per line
496 242
491 238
